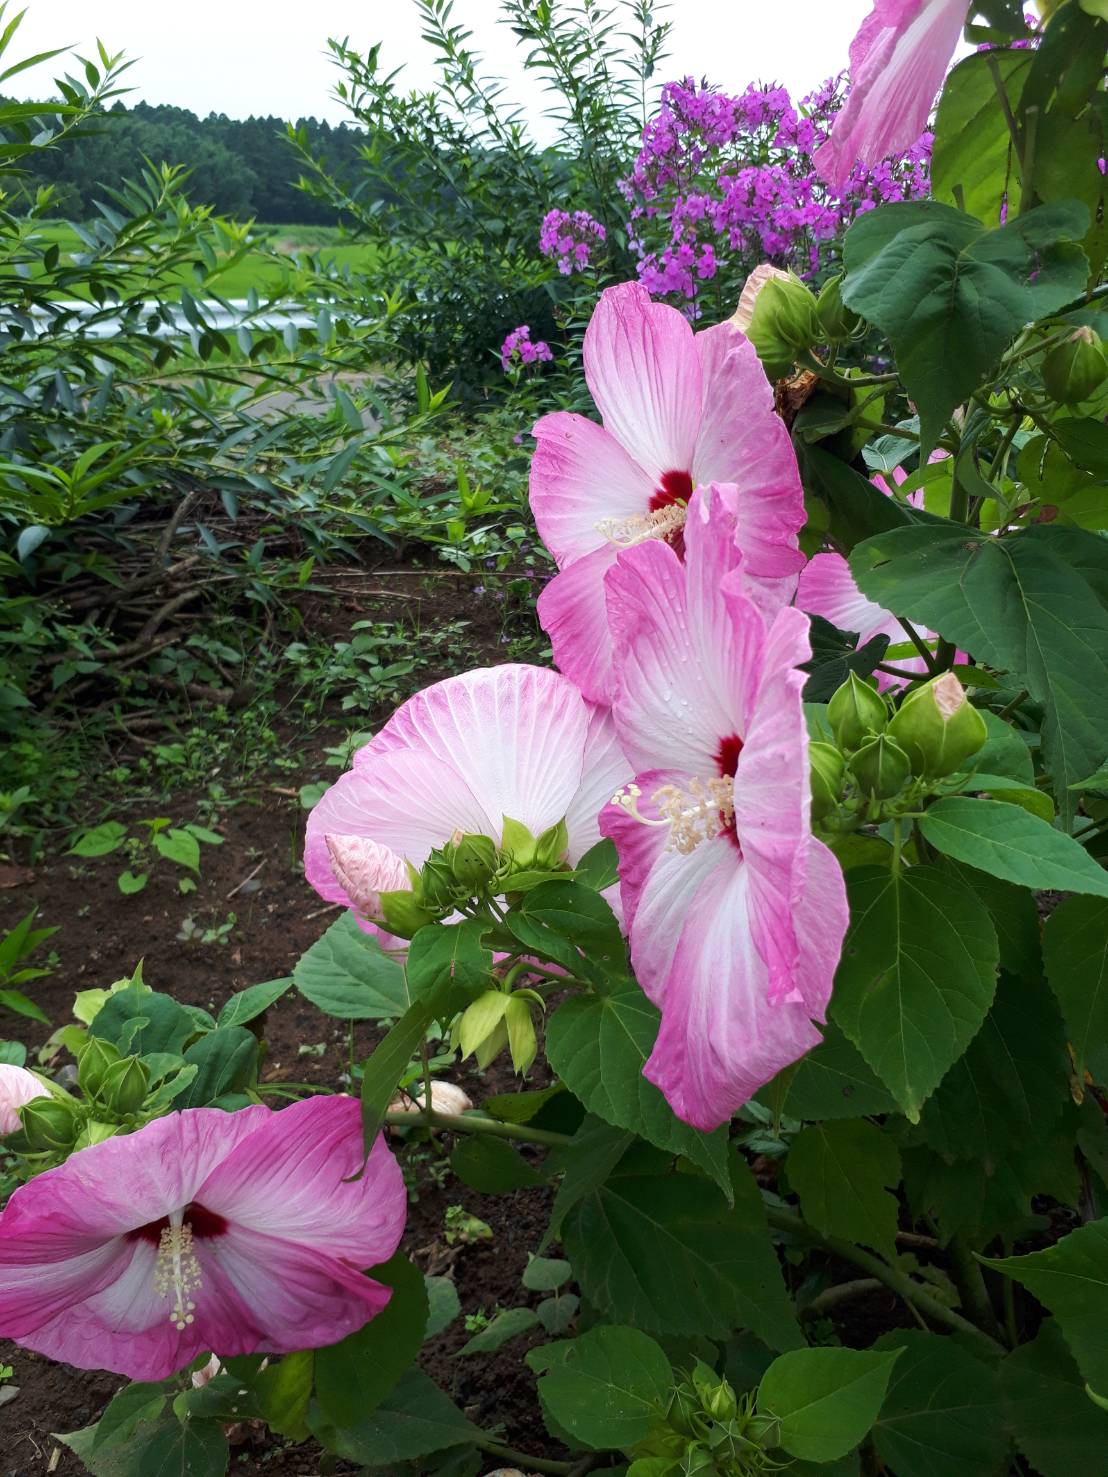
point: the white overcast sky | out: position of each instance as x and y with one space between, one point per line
267 56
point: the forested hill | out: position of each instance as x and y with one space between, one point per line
242 167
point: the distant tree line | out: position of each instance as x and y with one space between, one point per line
241 167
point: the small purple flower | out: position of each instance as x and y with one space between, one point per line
518 349
570 239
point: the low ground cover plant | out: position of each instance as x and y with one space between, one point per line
783 892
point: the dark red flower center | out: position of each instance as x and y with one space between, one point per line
674 490
203 1222
727 757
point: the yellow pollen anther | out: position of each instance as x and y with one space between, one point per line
177 1271
661 523
694 815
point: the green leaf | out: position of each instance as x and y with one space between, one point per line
448 961
16 1001
588 1160
609 1388
942 1414
126 1411
557 1312
131 882
1011 843
1014 914
140 1020
247 1005
346 974
546 1274
832 1081
491 1166
599 867
1056 1426
572 925
415 1420
973 162
917 977
443 1305
117 1457
857 508
13 1053
387 1063
100 840
1075 950
667 1254
505 1326
1071 1279
179 846
1010 1086
284 1389
196 1449
951 295
844 1173
825 1399
353 1377
1004 751
1085 442
1028 605
835 654
598 1044
226 1061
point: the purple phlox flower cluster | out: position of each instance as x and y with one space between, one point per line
1031 21
518 349
570 239
722 177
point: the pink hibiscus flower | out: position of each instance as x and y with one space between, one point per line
735 912
898 61
235 1233
679 410
17 1088
514 741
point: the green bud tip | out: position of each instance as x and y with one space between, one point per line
856 713
938 728
1075 369
94 1061
50 1123
828 768
784 323
881 768
125 1086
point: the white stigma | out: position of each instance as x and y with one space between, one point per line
177 1271
661 523
697 814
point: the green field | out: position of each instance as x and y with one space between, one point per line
258 269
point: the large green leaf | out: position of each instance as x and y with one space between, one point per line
917 976
1011 843
353 1377
143 1021
974 164
943 1413
449 961
825 1399
845 1174
571 924
857 508
832 1081
195 1449
609 1388
598 1045
1030 605
951 295
587 1162
346 974
226 1061
1056 1426
413 1421
667 1254
387 1063
247 1005
491 1165
1075 949
1071 1279
1012 1083
1014 914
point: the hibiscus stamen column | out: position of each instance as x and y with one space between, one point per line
177 1271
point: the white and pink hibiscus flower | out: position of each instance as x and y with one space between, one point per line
898 61
735 912
18 1087
679 410
512 741
205 1231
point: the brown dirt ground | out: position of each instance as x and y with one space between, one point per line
103 934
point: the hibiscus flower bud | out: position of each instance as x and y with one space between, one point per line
856 713
93 1063
836 319
1075 369
550 849
17 1087
784 324
125 1085
481 1032
522 1041
473 861
828 767
50 1123
881 768
938 728
403 914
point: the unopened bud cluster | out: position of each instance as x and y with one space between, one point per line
1076 368
707 1428
788 319
883 762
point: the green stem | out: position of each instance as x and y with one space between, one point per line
523 1460
478 1123
919 643
1005 105
970 1282
1010 708
916 1296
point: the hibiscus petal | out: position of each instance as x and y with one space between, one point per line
821 917
644 374
605 769
581 477
898 61
572 612
514 732
291 1179
720 1038
827 589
